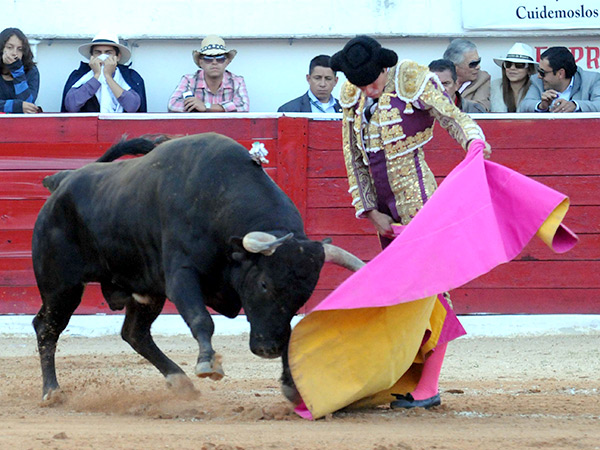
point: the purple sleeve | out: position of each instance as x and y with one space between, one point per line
77 97
130 101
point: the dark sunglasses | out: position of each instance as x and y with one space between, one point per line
543 72
475 63
209 59
509 64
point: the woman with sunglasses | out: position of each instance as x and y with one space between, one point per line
20 78
212 88
517 67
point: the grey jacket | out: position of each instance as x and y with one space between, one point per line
586 92
302 104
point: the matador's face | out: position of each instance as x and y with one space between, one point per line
375 89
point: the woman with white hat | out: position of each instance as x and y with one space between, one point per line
517 67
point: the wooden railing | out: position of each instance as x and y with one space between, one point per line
305 159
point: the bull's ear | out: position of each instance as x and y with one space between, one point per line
237 251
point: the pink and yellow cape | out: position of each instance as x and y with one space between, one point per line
366 339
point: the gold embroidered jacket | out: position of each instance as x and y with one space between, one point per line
400 125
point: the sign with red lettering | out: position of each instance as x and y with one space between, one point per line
531 15
586 57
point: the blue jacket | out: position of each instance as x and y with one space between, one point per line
92 105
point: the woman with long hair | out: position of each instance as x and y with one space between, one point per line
517 67
20 78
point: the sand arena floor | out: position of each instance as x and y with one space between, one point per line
497 393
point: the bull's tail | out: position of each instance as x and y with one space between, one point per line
138 146
51 182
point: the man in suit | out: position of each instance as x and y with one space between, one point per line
318 99
561 86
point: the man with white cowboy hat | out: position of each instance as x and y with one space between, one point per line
104 84
561 86
517 66
212 88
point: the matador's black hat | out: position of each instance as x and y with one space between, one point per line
362 59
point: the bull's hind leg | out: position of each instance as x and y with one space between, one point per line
136 332
52 318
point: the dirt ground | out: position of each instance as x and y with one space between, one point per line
497 393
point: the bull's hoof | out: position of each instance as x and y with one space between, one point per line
53 397
212 370
291 393
182 385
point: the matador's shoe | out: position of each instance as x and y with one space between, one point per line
407 401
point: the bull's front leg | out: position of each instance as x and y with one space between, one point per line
183 289
288 387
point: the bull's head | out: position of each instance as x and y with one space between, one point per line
275 277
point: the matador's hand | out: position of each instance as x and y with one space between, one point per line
382 223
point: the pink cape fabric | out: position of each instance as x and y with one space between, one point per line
482 215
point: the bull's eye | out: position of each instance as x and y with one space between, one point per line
263 286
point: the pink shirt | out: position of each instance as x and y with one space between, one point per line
232 94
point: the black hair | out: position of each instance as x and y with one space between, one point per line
27 59
441 65
363 60
321 61
560 58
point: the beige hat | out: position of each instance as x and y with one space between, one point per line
106 38
519 52
213 45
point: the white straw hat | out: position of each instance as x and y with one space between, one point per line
213 45
519 52
106 38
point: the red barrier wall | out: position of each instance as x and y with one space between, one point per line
305 160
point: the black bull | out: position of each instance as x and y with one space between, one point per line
197 221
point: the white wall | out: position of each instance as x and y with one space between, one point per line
233 18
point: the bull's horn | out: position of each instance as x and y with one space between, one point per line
265 243
342 258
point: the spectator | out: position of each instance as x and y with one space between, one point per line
561 86
212 88
446 72
104 84
318 99
20 78
474 83
517 68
